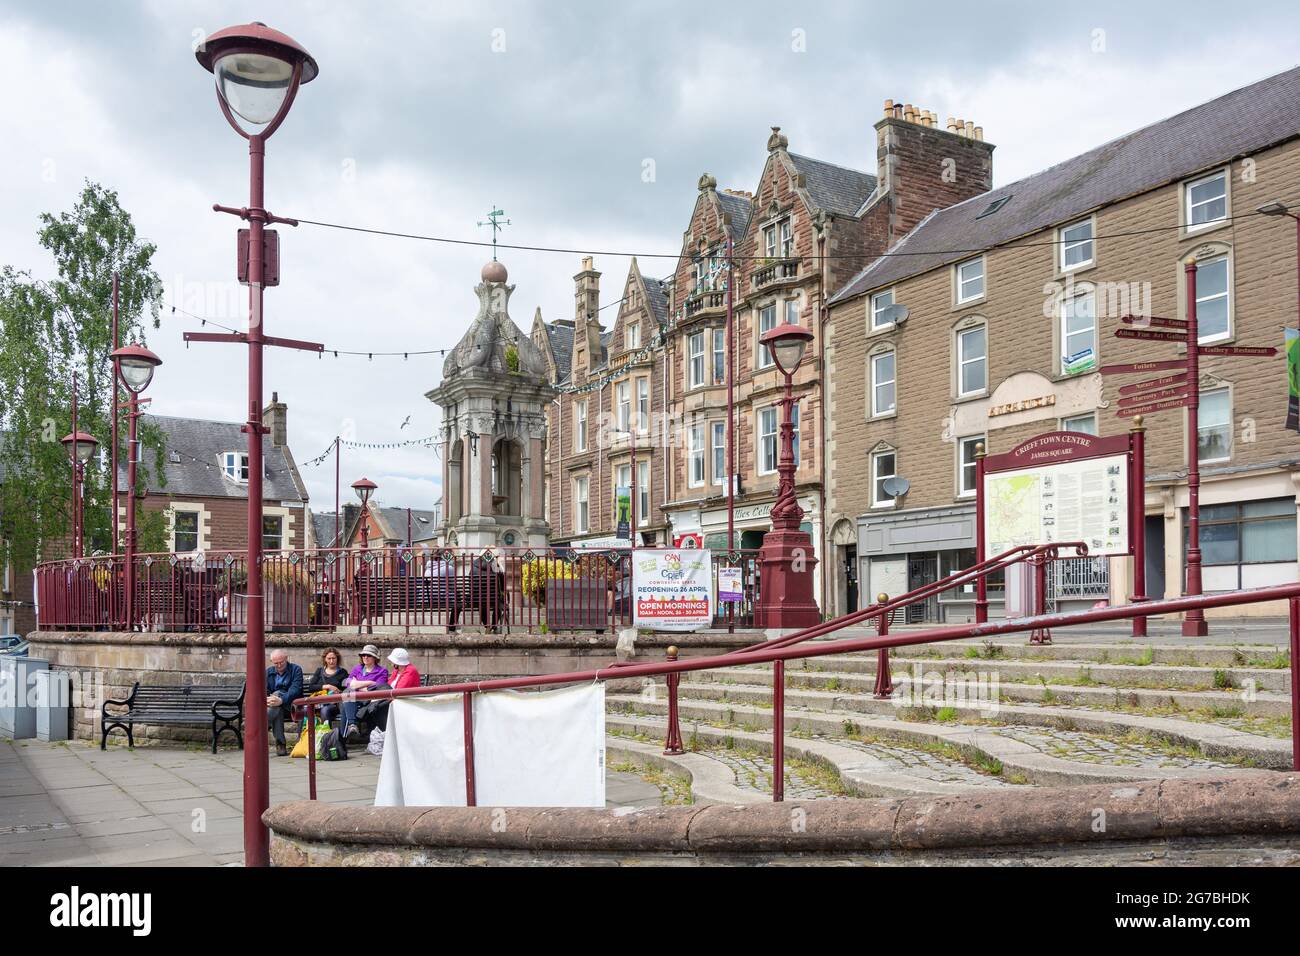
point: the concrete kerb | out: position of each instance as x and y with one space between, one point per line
1255 802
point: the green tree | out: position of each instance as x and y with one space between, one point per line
49 332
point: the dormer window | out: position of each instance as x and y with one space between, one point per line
234 464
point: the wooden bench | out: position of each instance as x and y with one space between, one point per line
184 704
378 595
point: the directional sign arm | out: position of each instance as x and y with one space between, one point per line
1151 335
1132 367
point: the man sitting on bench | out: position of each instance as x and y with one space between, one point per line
283 687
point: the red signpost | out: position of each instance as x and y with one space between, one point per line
1182 390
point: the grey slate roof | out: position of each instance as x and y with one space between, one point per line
656 297
561 339
739 209
1236 124
199 445
423 523
837 189
322 523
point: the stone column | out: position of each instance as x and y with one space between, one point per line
533 478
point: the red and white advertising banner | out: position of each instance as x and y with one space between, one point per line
672 588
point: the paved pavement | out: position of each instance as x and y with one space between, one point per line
71 804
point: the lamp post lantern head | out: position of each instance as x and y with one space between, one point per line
136 364
364 488
787 343
80 446
1274 208
258 71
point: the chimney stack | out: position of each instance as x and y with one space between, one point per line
922 167
275 417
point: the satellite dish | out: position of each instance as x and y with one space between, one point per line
896 487
894 314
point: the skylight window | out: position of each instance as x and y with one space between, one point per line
994 206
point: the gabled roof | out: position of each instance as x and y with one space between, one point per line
836 189
738 209
560 335
322 523
1236 124
424 524
192 452
656 297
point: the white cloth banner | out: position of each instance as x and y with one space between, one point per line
531 749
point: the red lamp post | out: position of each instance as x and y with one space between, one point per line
258 72
81 448
364 488
786 560
134 366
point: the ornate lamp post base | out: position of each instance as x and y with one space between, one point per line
786 562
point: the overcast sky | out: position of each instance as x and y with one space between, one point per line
426 114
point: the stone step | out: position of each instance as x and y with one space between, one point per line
823 713
967 684
865 770
1114 652
1154 676
852 687
1023 756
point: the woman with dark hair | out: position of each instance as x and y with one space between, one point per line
329 676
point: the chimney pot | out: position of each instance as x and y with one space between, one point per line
889 108
979 133
970 130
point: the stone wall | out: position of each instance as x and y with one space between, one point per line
1251 818
114 661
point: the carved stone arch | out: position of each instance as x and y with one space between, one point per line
843 532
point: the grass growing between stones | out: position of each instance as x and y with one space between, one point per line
675 790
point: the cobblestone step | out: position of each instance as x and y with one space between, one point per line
1149 676
817 713
865 768
941 686
1185 655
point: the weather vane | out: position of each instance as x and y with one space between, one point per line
497 223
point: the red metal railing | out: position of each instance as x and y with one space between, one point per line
778 655
500 588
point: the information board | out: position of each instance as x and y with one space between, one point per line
1059 487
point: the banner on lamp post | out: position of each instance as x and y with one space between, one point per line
623 511
672 589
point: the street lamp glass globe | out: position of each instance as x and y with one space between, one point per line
137 373
253 85
364 487
81 447
788 353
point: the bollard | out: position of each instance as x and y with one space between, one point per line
884 679
673 745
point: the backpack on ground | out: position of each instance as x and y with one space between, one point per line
333 746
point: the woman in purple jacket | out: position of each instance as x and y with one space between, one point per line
368 675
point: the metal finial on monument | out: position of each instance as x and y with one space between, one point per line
497 223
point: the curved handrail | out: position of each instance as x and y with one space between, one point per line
1020 553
